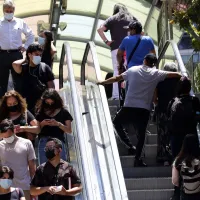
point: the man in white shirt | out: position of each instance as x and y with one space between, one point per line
18 154
11 47
142 83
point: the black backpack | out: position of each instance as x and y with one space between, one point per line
181 114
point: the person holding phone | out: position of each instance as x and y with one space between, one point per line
54 121
59 179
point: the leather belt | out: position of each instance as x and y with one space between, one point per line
9 51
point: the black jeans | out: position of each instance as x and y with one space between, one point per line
6 59
138 117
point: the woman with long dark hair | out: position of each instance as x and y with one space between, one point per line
14 107
54 121
121 17
187 165
45 39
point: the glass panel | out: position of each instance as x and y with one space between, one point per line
77 26
77 49
104 58
30 7
152 27
83 5
105 143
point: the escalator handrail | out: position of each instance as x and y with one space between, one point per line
66 51
91 47
178 57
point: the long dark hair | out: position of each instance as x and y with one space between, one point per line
48 40
22 106
190 150
49 94
121 12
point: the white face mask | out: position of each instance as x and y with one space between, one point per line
8 16
36 60
5 183
10 139
41 40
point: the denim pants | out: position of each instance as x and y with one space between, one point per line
41 153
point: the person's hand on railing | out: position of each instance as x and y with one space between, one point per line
100 83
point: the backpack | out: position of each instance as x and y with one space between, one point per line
191 177
181 115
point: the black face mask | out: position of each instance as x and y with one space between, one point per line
14 108
49 106
50 154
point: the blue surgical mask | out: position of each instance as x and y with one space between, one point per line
41 40
5 183
37 60
8 16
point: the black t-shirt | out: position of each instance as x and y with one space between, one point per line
166 91
54 131
117 32
29 77
48 175
14 195
47 57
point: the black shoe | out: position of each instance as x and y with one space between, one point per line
139 163
132 151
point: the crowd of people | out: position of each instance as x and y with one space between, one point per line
32 110
146 87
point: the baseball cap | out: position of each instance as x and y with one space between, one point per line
134 25
151 58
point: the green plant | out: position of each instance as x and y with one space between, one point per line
186 13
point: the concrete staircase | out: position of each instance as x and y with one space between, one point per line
144 183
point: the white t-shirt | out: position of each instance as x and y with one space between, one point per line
16 156
142 81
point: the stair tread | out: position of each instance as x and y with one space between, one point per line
147 190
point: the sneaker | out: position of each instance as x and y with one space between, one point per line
132 151
63 11
139 163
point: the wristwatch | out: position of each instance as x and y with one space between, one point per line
106 41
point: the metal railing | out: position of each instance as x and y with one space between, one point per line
113 182
173 55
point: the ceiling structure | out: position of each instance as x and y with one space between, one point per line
83 17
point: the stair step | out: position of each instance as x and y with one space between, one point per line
147 172
113 103
149 150
149 183
113 110
128 161
160 194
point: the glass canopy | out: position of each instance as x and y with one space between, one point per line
83 18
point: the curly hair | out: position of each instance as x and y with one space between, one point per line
49 94
4 112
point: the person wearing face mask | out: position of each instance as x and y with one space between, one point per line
17 153
35 75
59 179
54 121
11 45
6 191
45 39
14 107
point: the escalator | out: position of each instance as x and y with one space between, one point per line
93 149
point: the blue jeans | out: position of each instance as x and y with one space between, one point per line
41 153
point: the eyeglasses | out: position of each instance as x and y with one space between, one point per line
49 148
